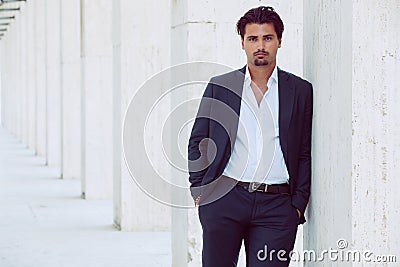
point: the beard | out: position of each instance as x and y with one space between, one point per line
261 62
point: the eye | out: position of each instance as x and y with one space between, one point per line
268 38
251 39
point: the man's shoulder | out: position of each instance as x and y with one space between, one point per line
227 76
294 78
229 80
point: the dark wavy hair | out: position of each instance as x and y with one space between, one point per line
260 15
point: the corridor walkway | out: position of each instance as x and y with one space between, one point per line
44 221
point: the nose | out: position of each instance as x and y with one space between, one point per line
260 44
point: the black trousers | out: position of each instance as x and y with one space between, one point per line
266 222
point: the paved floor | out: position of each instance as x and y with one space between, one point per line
45 223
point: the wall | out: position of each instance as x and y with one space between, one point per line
351 57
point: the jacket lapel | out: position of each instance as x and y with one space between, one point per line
234 100
286 90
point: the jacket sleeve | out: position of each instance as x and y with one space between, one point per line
301 192
198 142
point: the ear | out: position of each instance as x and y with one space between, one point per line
280 43
242 43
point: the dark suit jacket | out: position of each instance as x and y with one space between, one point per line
217 119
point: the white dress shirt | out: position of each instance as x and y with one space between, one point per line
257 155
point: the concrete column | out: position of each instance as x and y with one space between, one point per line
13 115
71 91
141 49
31 78
22 32
10 65
3 82
41 76
97 93
355 125
221 44
2 91
1 85
375 150
327 64
54 97
6 82
15 27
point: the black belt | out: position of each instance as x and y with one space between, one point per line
266 188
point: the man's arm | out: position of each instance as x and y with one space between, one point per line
301 192
197 148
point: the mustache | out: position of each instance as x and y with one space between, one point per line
261 51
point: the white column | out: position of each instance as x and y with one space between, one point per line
41 76
376 126
97 93
15 27
11 83
30 68
141 49
220 43
1 83
327 65
71 91
54 103
355 77
5 81
22 32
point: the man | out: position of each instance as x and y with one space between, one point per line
250 152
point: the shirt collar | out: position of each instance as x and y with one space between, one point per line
274 75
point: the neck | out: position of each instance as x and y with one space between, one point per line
258 73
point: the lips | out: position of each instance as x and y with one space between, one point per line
260 54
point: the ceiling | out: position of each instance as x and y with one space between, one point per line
8 10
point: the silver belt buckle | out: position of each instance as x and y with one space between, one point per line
253 186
